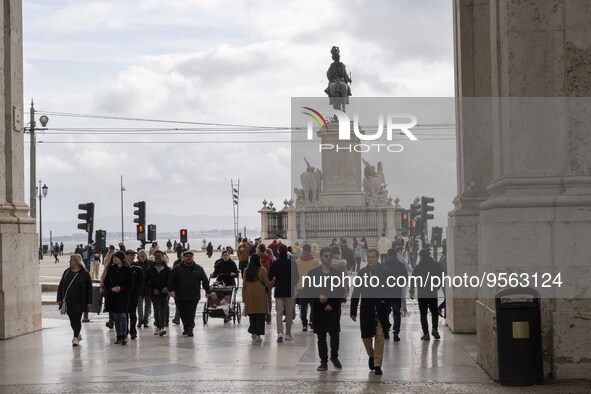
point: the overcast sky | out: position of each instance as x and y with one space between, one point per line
230 62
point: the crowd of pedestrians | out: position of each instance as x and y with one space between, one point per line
135 283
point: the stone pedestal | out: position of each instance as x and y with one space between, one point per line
341 170
20 293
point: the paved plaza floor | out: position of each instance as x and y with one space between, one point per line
222 358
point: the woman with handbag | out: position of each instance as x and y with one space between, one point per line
74 294
255 286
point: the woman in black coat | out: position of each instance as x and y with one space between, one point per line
75 290
225 269
118 285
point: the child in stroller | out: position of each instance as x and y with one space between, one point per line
218 303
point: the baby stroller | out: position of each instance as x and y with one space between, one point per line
222 303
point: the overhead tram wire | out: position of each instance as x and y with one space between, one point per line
218 129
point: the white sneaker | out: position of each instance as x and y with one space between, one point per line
279 337
156 331
253 337
258 338
75 341
79 337
288 337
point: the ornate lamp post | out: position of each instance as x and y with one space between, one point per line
43 119
42 194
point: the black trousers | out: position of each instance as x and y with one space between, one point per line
187 311
76 322
132 315
323 346
257 323
431 305
396 304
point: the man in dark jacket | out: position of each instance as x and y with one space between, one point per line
137 286
184 285
373 310
144 306
286 277
427 296
326 303
400 275
347 254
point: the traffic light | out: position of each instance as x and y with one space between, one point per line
141 232
183 235
415 245
101 239
426 208
151 232
436 236
414 227
87 217
404 216
415 211
140 212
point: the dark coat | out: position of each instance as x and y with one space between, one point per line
348 255
398 269
427 267
223 269
137 280
375 301
80 293
145 265
286 276
118 302
323 320
186 282
157 280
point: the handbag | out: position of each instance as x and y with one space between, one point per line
63 307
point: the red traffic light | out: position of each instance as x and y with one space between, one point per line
183 232
140 228
413 224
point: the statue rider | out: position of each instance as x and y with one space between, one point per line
338 89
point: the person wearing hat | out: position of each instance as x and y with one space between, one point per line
117 284
427 296
184 285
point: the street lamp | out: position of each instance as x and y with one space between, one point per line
42 194
43 119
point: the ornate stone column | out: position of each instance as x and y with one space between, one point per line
474 147
20 293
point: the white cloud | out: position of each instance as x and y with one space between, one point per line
224 62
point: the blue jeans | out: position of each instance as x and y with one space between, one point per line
120 320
